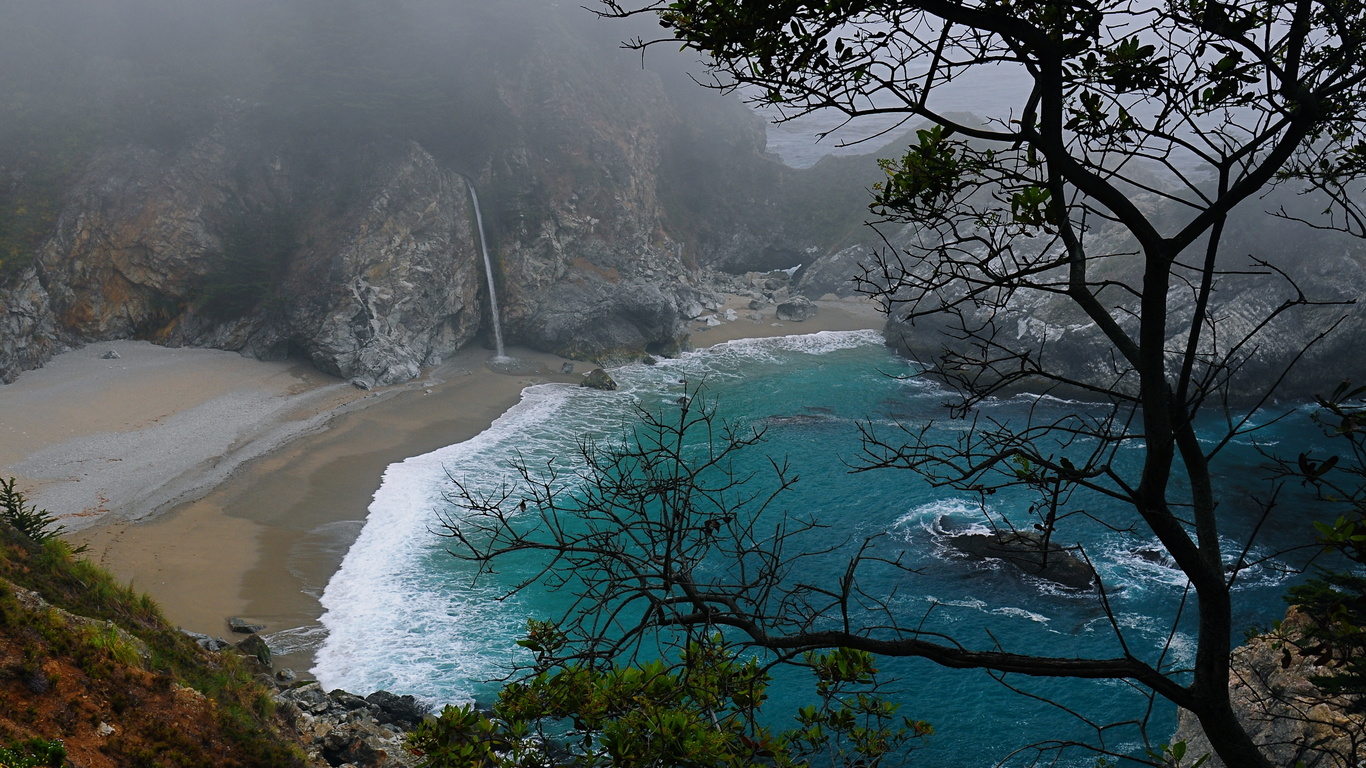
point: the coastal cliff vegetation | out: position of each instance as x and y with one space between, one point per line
93 675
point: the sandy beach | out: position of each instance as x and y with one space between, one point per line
225 486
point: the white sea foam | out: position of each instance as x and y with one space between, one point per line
1021 613
932 516
821 343
382 610
389 620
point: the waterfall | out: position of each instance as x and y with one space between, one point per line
488 272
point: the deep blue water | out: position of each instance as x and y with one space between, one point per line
404 616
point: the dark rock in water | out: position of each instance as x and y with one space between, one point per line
1155 556
649 360
796 309
567 368
242 626
599 379
404 711
1025 551
256 647
110 355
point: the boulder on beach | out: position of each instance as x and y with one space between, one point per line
796 309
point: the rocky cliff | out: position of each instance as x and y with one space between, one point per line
1268 262
1288 716
606 193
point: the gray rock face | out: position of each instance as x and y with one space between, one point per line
339 728
605 191
29 334
1287 716
835 272
1325 266
368 290
589 271
402 288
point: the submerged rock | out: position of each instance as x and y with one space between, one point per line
242 626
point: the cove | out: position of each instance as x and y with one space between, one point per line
403 615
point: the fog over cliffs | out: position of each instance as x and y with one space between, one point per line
288 178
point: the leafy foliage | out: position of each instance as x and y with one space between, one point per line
241 715
701 711
33 753
1335 599
16 510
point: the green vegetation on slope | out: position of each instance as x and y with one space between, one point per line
95 663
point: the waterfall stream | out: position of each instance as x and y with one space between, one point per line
501 354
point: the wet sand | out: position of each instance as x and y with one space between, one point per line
261 540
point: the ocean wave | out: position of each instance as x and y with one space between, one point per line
378 607
1146 564
820 343
932 516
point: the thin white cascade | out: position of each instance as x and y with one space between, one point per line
488 272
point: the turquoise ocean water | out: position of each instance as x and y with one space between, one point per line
403 615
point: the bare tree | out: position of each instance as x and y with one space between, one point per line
1104 193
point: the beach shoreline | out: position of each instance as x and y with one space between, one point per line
259 532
